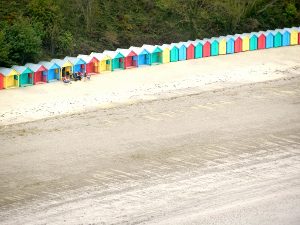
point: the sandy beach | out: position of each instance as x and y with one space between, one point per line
147 83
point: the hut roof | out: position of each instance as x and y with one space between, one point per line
139 50
165 46
74 60
33 67
61 62
151 48
85 58
22 69
49 65
7 71
125 52
113 54
100 56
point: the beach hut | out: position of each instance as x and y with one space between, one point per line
214 46
198 48
246 42
294 35
25 75
53 70
238 43
181 51
104 64
130 60
78 64
298 35
166 53
190 50
285 37
39 73
174 53
117 60
206 48
277 38
65 66
269 39
155 54
261 41
91 63
222 45
143 56
229 44
9 78
253 41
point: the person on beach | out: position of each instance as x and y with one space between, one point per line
66 80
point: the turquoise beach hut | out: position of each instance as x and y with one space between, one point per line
143 57
174 53
181 51
198 49
78 64
53 71
155 54
269 39
117 60
253 41
214 47
229 44
26 75
277 38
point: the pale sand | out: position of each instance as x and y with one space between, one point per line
128 86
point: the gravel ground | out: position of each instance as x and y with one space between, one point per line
227 156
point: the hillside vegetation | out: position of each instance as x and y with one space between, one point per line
34 30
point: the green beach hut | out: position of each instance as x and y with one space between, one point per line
26 75
214 46
117 59
198 49
174 52
253 41
277 38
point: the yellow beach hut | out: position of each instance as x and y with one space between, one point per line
9 78
246 42
65 65
165 53
222 45
104 63
294 35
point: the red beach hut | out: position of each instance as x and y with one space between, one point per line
206 48
261 40
38 71
190 50
238 43
130 60
91 65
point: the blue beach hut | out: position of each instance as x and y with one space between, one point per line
143 57
214 46
181 51
229 44
277 38
53 71
78 64
269 39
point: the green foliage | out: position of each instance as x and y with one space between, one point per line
32 30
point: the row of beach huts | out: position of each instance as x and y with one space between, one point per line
147 55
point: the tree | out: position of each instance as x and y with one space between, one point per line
25 43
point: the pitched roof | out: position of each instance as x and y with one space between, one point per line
124 51
138 50
151 48
112 54
22 69
6 71
60 62
49 65
85 58
33 67
99 56
74 60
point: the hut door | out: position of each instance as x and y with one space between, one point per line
147 59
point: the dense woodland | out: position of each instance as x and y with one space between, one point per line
34 30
